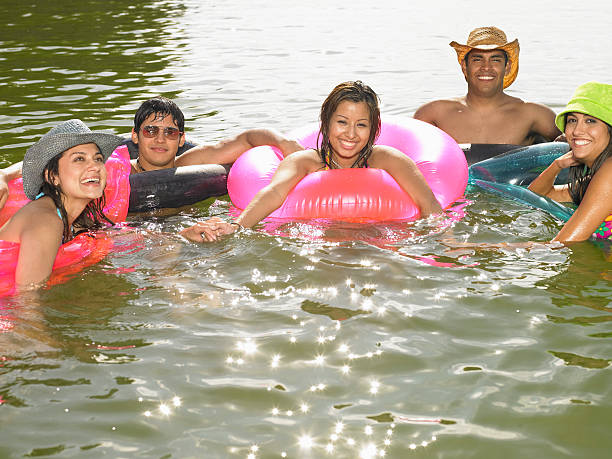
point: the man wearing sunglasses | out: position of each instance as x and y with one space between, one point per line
158 142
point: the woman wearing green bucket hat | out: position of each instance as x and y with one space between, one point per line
64 175
587 123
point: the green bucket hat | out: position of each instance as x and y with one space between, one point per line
593 99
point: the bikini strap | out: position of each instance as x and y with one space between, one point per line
59 214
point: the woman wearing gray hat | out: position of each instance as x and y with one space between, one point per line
64 176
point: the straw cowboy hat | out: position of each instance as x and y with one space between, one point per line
59 139
487 39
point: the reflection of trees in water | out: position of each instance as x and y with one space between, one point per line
586 281
73 58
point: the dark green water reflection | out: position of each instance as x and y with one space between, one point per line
95 60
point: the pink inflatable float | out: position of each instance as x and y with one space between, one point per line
85 249
358 194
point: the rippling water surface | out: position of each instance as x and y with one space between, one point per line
308 339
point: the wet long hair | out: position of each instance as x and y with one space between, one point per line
354 91
92 216
581 175
161 107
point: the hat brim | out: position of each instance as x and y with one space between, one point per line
586 107
512 49
39 154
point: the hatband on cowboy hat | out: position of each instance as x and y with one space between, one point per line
487 39
59 139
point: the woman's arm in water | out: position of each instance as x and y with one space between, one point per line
408 176
227 151
290 171
595 206
39 233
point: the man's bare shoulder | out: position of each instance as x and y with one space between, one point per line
538 109
432 111
515 103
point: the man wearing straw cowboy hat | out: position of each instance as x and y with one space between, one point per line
486 114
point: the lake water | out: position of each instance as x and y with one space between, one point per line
318 340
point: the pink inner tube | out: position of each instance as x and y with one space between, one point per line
358 194
85 249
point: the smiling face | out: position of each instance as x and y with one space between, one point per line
157 152
588 136
349 131
81 172
484 70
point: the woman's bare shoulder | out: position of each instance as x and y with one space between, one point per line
35 216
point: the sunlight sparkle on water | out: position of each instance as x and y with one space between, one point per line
247 346
275 361
368 451
374 386
164 409
305 442
176 401
317 387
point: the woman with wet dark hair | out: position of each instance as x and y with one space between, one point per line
350 124
64 175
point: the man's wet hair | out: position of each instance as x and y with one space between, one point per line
161 107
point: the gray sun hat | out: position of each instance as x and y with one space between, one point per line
59 139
